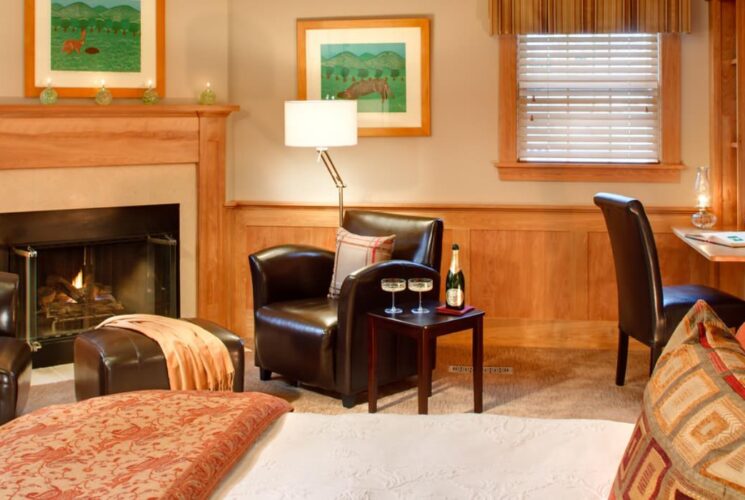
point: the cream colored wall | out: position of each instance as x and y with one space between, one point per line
246 48
29 190
454 165
196 47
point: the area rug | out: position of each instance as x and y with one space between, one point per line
545 383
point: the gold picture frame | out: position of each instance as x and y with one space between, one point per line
382 63
54 44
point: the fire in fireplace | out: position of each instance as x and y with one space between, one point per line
79 267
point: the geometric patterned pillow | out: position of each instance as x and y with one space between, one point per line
740 335
689 441
353 252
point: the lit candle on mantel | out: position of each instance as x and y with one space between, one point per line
103 96
150 96
48 95
208 95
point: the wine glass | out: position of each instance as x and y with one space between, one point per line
393 285
420 285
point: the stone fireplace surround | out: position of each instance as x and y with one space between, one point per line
84 156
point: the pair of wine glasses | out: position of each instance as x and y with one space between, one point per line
395 285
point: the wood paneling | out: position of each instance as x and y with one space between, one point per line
212 298
518 171
508 93
727 124
520 262
722 106
109 141
504 286
670 98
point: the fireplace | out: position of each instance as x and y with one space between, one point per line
79 267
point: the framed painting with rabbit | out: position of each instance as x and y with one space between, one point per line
77 46
383 64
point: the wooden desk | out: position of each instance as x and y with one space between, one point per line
424 328
712 251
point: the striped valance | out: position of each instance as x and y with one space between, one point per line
521 17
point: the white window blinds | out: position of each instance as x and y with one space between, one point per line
588 98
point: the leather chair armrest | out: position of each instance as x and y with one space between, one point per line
8 298
361 293
290 272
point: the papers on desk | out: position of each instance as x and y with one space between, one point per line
734 239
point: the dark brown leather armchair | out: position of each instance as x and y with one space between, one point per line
309 338
8 297
15 355
648 311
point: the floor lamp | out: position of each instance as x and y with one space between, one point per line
322 125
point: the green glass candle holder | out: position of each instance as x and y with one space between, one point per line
103 96
48 95
150 96
207 96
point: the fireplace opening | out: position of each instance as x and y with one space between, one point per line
79 267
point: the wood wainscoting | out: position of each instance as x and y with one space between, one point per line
526 262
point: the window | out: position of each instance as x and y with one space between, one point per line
588 98
590 107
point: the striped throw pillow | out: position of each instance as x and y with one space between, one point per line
354 252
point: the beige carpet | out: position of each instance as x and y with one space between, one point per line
549 383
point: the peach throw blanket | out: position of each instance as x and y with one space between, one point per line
195 358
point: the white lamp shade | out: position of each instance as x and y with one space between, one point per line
321 124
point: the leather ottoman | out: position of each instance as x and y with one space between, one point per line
112 360
15 377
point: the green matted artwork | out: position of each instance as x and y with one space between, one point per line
77 45
383 64
372 73
96 35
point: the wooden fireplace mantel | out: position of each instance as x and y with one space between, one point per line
86 135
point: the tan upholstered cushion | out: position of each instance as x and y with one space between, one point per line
354 252
690 438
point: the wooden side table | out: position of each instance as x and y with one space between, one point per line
425 328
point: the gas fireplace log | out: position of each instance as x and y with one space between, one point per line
63 285
46 295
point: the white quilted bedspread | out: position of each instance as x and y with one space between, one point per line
465 456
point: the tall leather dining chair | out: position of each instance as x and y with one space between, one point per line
15 355
302 334
648 311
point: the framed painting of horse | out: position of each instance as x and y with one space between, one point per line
383 64
77 46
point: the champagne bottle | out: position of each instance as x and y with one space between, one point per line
455 284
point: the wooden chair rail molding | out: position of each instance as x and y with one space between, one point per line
532 262
85 135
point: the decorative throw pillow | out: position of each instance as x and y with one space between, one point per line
689 441
740 336
354 252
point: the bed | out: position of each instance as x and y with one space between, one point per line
429 456
192 444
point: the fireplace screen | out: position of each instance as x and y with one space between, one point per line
69 289
79 267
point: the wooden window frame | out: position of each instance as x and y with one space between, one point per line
667 170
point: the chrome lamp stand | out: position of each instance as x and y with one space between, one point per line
323 154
